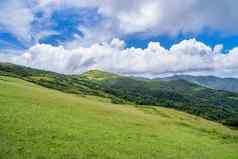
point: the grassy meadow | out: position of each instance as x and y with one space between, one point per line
40 123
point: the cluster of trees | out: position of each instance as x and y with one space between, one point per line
211 104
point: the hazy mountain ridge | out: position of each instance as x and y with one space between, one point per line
226 84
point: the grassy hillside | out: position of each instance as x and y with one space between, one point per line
65 83
211 104
39 123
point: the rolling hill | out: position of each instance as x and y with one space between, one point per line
226 84
41 123
220 106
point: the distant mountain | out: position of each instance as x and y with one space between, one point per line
226 84
221 106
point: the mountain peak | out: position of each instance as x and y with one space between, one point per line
99 75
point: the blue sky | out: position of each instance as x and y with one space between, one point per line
211 39
74 24
64 23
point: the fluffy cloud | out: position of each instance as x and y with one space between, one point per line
16 18
188 56
118 19
125 17
162 16
172 17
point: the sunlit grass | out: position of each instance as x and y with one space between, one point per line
40 123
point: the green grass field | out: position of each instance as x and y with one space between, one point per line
39 123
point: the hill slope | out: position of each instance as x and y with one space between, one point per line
212 104
215 105
37 122
227 84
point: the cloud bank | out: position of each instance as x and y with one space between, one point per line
160 15
120 18
31 21
188 57
16 17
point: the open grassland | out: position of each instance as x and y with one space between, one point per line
39 123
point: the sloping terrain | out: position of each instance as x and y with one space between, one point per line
40 123
211 104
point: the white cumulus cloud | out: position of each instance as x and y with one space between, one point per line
188 56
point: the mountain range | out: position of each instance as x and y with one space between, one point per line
226 84
42 123
177 93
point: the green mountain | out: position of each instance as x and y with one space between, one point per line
41 123
220 106
226 84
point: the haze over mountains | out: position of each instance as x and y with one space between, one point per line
226 84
